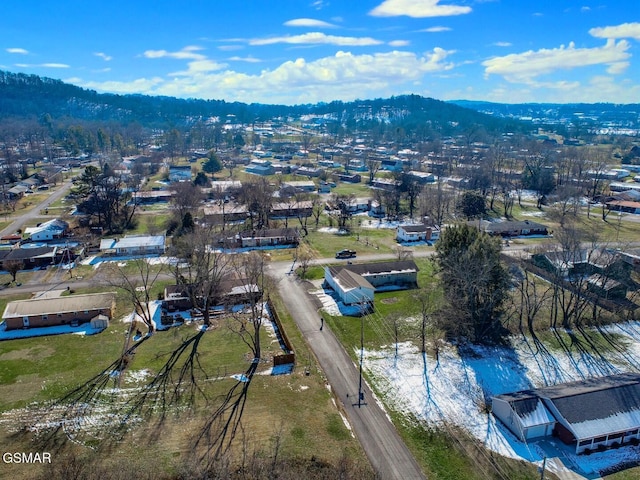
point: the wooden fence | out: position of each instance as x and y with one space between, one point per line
289 356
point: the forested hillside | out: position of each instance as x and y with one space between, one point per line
33 97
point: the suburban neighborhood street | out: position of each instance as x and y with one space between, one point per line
21 218
379 438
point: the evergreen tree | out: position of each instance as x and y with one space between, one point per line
475 283
212 164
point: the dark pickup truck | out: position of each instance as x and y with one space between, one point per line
345 254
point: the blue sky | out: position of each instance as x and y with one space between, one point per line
305 51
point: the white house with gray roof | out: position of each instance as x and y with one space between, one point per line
134 245
591 414
356 283
48 230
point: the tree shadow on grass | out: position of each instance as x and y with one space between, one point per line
215 438
176 385
585 355
79 415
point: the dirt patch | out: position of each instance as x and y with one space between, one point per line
389 301
32 354
26 387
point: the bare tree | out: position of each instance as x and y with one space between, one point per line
533 294
403 253
426 299
304 257
373 165
436 202
202 269
344 204
225 422
13 267
187 198
137 287
317 207
258 196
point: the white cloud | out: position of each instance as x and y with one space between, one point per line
617 68
344 76
103 56
602 88
187 53
436 29
316 38
319 4
248 59
140 85
43 65
230 48
625 30
502 44
524 67
399 43
585 9
199 66
308 22
417 9
20 51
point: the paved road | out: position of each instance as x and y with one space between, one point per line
387 452
20 218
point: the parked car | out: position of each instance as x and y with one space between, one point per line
346 253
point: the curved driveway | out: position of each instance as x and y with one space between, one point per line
379 438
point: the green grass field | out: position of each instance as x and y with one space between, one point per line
297 408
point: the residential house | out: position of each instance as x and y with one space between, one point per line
152 196
292 187
31 182
623 186
606 287
268 237
67 310
260 167
590 414
34 257
417 233
53 229
377 209
349 177
393 164
10 239
222 188
233 291
180 173
584 262
387 184
422 177
51 174
377 277
623 206
310 171
351 288
511 228
358 205
300 209
217 214
134 245
17 191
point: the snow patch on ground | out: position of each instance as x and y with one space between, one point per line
456 387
